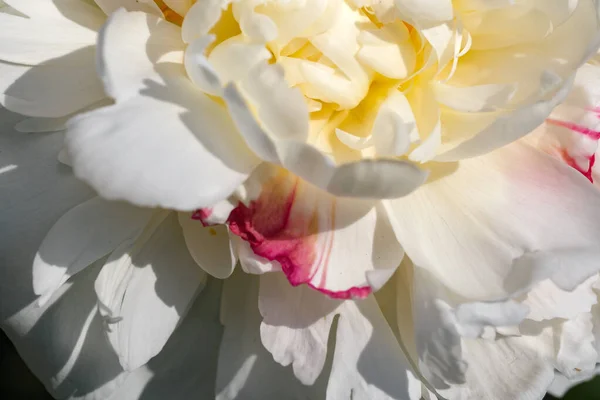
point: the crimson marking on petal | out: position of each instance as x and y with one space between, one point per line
592 134
267 225
572 163
202 215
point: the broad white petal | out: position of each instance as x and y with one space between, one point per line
296 324
174 147
147 6
145 288
497 224
329 243
246 370
368 362
65 346
56 88
29 210
35 41
186 368
71 244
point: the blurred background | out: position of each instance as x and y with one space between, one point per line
18 383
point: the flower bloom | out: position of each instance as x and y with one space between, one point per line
334 148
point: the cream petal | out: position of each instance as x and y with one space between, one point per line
496 226
209 246
200 18
385 178
507 128
144 290
424 11
181 7
296 325
70 245
308 232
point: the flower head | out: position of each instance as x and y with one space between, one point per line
343 146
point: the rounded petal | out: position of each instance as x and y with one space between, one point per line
309 233
498 224
209 246
172 148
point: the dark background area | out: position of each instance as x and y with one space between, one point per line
18 383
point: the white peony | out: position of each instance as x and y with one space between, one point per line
366 159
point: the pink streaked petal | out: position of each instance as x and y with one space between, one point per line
325 242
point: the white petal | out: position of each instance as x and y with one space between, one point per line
39 40
308 232
187 366
129 46
498 224
296 324
71 245
55 89
173 148
209 246
145 288
29 211
65 347
577 355
246 370
147 6
547 301
368 362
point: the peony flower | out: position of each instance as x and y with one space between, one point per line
366 159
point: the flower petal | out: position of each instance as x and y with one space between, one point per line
55 88
187 366
147 6
296 324
134 149
209 246
368 362
64 346
32 41
246 370
145 288
507 128
504 368
308 232
29 210
385 178
495 226
71 245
